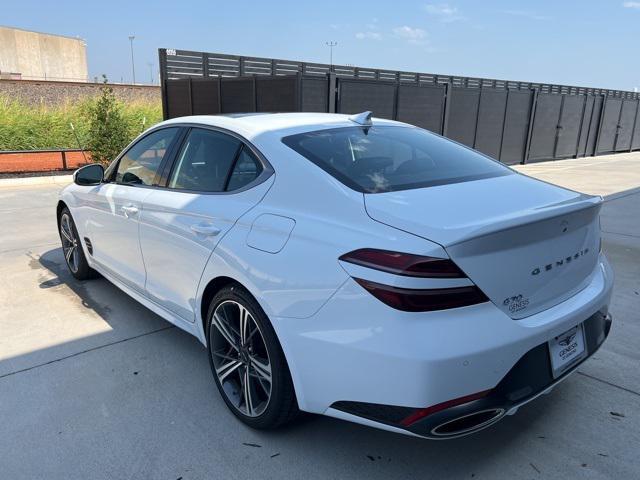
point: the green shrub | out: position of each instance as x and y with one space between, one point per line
107 127
29 127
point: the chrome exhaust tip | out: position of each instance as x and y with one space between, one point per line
469 423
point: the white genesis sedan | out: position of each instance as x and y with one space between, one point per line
359 268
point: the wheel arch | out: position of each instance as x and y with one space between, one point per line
216 284
61 204
213 287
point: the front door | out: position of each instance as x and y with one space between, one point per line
214 181
115 208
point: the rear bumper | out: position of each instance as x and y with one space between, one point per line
356 350
530 377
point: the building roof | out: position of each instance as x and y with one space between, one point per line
78 38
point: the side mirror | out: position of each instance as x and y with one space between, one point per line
89 175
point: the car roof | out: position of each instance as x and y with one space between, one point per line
254 124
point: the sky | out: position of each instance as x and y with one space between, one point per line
584 43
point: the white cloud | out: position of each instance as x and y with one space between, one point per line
445 12
631 5
412 35
441 9
526 14
368 36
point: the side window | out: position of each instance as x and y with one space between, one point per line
141 162
245 171
204 162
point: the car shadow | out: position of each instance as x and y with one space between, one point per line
182 372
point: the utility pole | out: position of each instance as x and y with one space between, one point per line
133 67
331 45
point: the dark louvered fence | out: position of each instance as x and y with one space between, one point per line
515 122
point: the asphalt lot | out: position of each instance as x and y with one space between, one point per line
93 385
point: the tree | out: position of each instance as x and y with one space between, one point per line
108 132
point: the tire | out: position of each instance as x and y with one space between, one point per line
72 247
258 356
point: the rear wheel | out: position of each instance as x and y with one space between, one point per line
72 248
247 362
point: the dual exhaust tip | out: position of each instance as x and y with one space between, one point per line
467 424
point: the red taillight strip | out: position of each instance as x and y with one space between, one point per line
406 264
412 300
425 412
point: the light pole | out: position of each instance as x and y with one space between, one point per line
331 45
150 72
133 67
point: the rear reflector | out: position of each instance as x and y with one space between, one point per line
425 412
404 263
412 300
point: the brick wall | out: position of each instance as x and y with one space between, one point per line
34 92
42 161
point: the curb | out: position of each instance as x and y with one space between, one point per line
30 181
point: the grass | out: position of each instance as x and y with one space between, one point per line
27 127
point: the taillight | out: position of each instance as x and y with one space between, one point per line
405 264
427 300
410 265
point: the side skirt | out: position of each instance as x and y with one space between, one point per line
151 305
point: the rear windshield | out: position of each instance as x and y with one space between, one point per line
388 158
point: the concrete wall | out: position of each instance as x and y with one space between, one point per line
56 93
42 56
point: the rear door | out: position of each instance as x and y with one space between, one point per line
114 207
215 179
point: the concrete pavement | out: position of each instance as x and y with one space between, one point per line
92 385
603 175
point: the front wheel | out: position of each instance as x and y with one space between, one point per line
72 248
247 362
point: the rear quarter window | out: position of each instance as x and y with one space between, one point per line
389 158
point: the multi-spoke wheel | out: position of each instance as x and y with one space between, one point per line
69 242
72 248
247 361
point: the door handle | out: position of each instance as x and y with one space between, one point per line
205 229
129 210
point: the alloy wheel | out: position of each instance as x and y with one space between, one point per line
240 358
70 242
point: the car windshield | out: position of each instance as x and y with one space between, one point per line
388 158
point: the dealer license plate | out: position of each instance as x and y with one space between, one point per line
566 349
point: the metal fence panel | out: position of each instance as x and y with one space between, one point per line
463 115
277 94
585 124
516 126
625 125
178 98
545 127
609 127
491 112
356 96
569 126
422 106
315 94
205 98
635 142
594 126
238 95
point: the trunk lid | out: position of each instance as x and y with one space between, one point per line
526 244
